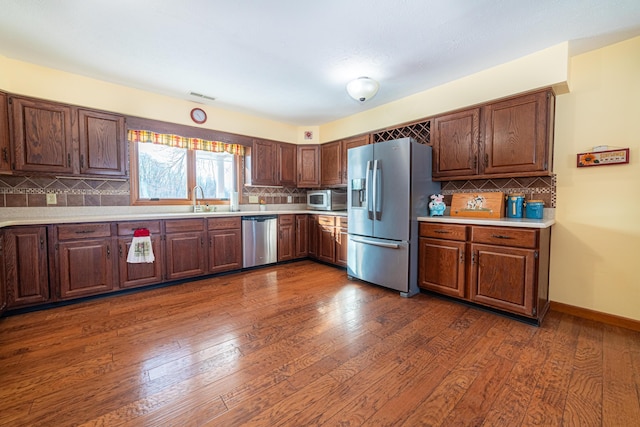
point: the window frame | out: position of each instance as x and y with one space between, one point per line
191 181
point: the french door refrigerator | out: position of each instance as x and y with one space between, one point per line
389 184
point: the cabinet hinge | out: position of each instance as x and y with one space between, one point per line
10 100
56 246
535 254
545 166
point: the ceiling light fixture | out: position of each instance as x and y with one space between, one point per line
362 89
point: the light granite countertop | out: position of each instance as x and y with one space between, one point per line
546 222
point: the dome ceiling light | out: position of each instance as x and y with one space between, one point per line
362 89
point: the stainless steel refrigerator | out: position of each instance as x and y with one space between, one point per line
389 184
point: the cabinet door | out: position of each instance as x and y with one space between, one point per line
331 163
503 277
455 143
286 241
3 283
308 166
342 244
139 274
185 253
441 266
5 157
26 271
225 250
263 163
314 231
42 136
515 135
86 267
346 145
326 244
302 236
287 164
102 143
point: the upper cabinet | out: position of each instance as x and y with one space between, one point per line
273 163
5 155
334 160
45 135
102 148
308 166
512 137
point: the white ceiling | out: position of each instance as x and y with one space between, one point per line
289 60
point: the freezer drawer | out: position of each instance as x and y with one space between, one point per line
379 261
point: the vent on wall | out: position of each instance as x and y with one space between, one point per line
199 95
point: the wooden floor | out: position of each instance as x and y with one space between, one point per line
299 344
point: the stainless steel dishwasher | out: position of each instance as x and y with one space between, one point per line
259 240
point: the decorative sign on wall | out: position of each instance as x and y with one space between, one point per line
601 158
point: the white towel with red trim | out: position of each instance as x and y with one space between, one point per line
141 250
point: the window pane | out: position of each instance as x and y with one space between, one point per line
162 172
214 173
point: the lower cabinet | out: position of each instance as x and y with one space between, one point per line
139 274
185 248
25 266
328 239
313 236
342 241
508 267
286 237
225 244
3 283
86 260
302 236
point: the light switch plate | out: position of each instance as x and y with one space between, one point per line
289 199
253 199
52 199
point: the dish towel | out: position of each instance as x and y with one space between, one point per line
140 250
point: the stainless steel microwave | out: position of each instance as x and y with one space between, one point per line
327 200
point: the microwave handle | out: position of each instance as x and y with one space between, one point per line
368 191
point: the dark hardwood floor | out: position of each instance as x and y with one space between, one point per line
299 344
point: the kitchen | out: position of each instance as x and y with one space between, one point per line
592 253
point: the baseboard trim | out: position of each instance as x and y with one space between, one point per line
585 313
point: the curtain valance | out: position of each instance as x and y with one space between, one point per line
184 142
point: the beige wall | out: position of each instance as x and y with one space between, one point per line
596 243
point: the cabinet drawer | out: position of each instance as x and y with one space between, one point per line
127 228
519 237
285 219
342 221
83 231
327 220
443 231
183 225
227 223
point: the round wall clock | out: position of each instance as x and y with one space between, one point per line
198 115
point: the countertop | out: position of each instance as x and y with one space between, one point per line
499 222
34 216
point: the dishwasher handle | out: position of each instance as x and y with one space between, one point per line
259 218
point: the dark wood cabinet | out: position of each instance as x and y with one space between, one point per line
508 267
302 236
334 157
342 241
102 143
5 147
139 274
313 236
185 249
308 166
42 136
86 260
287 164
505 138
331 164
286 237
455 139
25 266
3 283
326 239
225 244
263 162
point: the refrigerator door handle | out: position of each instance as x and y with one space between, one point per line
377 189
375 243
367 187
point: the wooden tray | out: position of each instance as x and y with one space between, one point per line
478 205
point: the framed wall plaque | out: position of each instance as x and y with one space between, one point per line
602 158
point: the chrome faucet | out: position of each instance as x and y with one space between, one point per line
196 203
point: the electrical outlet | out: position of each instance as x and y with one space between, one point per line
52 199
289 199
253 199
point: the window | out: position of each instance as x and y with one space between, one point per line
166 174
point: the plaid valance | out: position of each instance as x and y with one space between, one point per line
184 142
